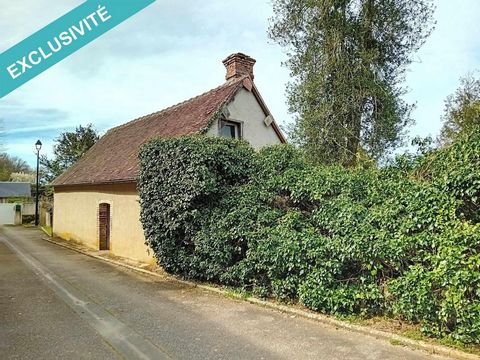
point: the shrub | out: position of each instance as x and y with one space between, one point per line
443 291
402 240
455 171
181 180
277 262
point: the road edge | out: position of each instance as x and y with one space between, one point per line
379 334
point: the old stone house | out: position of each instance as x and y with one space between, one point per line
96 201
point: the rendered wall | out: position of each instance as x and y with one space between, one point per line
76 208
76 218
245 108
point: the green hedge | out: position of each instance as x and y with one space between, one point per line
182 183
400 241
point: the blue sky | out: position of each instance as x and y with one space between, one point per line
173 50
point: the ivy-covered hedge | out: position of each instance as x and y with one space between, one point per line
182 183
400 241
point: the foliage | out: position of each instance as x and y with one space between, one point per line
443 292
455 171
68 149
462 110
401 241
348 60
23 177
11 164
181 183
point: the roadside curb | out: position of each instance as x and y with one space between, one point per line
400 340
45 231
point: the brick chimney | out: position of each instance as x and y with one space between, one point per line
239 65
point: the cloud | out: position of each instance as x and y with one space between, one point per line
450 53
164 55
172 51
22 126
18 120
20 19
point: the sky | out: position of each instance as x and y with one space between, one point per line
172 51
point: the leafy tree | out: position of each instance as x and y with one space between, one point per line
348 59
68 149
28 177
12 164
462 110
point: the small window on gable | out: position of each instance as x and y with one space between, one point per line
230 129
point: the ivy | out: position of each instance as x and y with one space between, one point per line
400 241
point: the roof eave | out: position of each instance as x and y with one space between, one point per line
267 112
95 183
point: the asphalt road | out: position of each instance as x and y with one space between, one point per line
59 304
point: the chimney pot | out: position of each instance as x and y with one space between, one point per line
239 65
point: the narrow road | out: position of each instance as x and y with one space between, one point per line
59 304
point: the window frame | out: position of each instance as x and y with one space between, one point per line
238 127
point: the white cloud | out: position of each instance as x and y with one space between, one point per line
173 50
451 52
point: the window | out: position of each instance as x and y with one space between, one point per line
230 129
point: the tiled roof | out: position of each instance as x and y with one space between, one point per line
15 189
114 157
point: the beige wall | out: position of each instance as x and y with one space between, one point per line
76 218
76 208
246 109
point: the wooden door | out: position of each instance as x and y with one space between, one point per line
104 226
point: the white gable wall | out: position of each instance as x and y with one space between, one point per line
246 109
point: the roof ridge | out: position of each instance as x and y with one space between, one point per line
227 83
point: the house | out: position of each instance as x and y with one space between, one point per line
96 201
10 210
9 190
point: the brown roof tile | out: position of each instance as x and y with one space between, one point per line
114 157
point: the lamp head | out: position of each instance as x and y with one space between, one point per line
38 145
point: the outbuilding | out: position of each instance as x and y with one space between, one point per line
96 201
10 208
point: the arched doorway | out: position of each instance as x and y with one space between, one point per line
104 226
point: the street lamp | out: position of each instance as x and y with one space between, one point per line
38 146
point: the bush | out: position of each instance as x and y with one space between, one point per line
443 292
181 182
401 241
455 171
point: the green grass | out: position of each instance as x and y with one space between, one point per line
396 342
415 335
473 349
409 331
48 230
234 293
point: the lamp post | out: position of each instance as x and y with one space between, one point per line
38 146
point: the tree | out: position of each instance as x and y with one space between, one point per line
348 59
462 110
68 149
28 177
12 164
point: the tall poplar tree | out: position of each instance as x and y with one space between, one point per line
347 60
